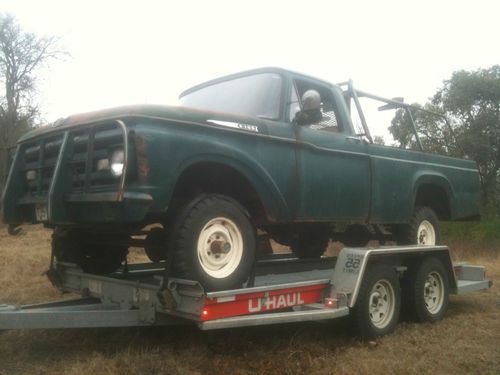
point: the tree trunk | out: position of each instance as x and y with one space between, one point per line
4 165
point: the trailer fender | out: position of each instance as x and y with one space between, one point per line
353 263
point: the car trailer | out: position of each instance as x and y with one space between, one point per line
370 282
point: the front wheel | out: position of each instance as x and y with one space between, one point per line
423 228
214 243
379 302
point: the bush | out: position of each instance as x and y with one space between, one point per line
476 232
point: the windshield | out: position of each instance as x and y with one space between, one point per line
257 95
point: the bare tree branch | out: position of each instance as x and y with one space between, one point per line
22 54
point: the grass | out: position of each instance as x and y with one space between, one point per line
476 232
467 341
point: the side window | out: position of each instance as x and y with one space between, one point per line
328 119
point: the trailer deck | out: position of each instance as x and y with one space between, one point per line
283 289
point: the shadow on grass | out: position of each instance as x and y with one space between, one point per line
42 346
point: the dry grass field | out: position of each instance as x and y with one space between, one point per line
467 341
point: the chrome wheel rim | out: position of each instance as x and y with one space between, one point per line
426 235
382 303
434 292
220 247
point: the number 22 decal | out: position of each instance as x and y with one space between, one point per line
352 263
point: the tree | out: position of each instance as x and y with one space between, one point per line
434 134
471 102
22 54
379 140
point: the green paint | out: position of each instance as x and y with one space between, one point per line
298 172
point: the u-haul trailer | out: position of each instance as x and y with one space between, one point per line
370 283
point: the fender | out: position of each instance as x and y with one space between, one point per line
273 200
433 178
352 264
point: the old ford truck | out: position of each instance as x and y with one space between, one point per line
261 154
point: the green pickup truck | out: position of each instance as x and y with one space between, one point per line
264 154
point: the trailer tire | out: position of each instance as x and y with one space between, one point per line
213 242
426 291
378 304
423 228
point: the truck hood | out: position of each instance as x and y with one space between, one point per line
169 113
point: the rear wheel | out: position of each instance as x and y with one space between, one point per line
423 228
93 253
427 291
379 302
214 243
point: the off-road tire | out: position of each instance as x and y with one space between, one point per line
88 252
430 271
376 273
186 234
408 234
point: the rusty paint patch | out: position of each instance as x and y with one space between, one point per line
141 147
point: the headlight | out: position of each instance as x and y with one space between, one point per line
116 161
31 175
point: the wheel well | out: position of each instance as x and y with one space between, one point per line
435 197
210 178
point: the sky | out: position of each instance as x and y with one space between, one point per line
129 52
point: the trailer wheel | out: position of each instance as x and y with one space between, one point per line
90 252
379 302
214 243
423 228
427 291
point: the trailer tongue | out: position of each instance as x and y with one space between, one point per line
282 290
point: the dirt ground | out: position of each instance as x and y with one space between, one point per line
467 341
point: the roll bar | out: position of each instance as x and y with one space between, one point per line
395 103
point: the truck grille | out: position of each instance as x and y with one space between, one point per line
86 146
41 156
89 146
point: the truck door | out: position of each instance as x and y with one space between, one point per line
333 165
